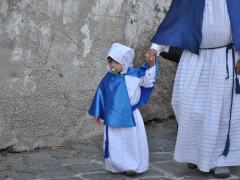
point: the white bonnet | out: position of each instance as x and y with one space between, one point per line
123 55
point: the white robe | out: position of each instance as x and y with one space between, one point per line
202 96
128 147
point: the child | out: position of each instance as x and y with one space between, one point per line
122 90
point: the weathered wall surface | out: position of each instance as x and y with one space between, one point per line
52 56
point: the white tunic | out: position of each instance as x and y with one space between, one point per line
128 147
202 96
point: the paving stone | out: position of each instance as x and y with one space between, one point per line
164 156
85 161
150 172
70 178
85 167
105 176
235 171
57 173
154 178
17 176
180 170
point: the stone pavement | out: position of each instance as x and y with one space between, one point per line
85 161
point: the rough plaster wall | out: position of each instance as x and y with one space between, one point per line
52 56
144 18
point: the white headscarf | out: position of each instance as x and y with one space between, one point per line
123 55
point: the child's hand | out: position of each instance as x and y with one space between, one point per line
97 121
238 67
150 57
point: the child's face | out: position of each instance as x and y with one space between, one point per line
115 65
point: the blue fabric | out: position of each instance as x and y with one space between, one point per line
145 92
234 15
106 149
111 101
182 26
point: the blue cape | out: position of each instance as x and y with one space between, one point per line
182 26
111 101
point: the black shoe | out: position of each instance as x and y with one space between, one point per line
191 166
131 173
221 172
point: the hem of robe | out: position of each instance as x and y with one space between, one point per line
138 167
213 158
109 168
219 163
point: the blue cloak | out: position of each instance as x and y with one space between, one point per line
111 101
182 26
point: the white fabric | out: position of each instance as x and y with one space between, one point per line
128 147
216 24
159 48
201 97
123 55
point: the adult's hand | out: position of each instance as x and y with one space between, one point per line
238 67
150 56
97 121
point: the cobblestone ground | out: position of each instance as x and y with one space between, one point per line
85 161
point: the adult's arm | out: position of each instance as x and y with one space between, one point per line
159 48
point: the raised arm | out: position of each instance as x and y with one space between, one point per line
154 51
148 80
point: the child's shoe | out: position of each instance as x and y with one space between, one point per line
191 166
131 173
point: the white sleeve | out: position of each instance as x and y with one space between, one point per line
159 48
133 88
148 80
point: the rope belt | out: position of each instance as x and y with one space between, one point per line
229 47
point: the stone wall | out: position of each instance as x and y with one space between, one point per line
52 56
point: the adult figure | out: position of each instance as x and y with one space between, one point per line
206 99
